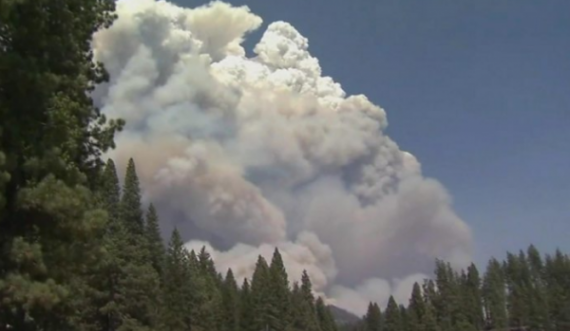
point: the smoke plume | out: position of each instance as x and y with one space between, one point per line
244 154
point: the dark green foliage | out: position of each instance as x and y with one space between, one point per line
260 295
429 322
472 299
154 240
246 311
373 318
231 304
392 318
324 316
404 318
51 139
177 288
416 308
279 294
131 210
494 296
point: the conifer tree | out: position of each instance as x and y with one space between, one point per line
557 270
517 300
154 240
176 287
279 294
231 304
260 295
405 318
538 315
373 318
472 298
494 296
392 319
309 313
416 308
131 210
326 321
51 140
208 305
297 306
246 308
429 321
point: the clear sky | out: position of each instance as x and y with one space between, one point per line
477 90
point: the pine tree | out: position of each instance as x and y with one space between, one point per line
231 304
309 314
260 295
405 318
416 308
373 318
246 308
429 321
557 270
392 321
279 294
517 299
494 296
325 319
154 240
111 194
110 271
176 287
208 305
472 298
297 306
131 210
51 140
538 315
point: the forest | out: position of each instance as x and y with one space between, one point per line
80 252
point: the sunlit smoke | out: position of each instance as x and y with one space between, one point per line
243 154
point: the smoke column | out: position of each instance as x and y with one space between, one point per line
244 154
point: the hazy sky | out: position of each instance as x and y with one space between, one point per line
478 91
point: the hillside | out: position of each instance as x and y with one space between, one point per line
342 316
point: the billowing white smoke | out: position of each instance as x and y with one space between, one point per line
253 153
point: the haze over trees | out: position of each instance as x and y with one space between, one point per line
80 252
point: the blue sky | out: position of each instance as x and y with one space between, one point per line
477 90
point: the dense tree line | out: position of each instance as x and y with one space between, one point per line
527 291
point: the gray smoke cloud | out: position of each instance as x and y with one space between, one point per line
244 154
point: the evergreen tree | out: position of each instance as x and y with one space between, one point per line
297 306
472 298
231 304
309 314
131 210
246 319
154 240
557 270
51 139
429 321
260 295
326 320
416 308
392 321
176 287
494 296
279 294
373 318
517 301
208 305
405 318
538 315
